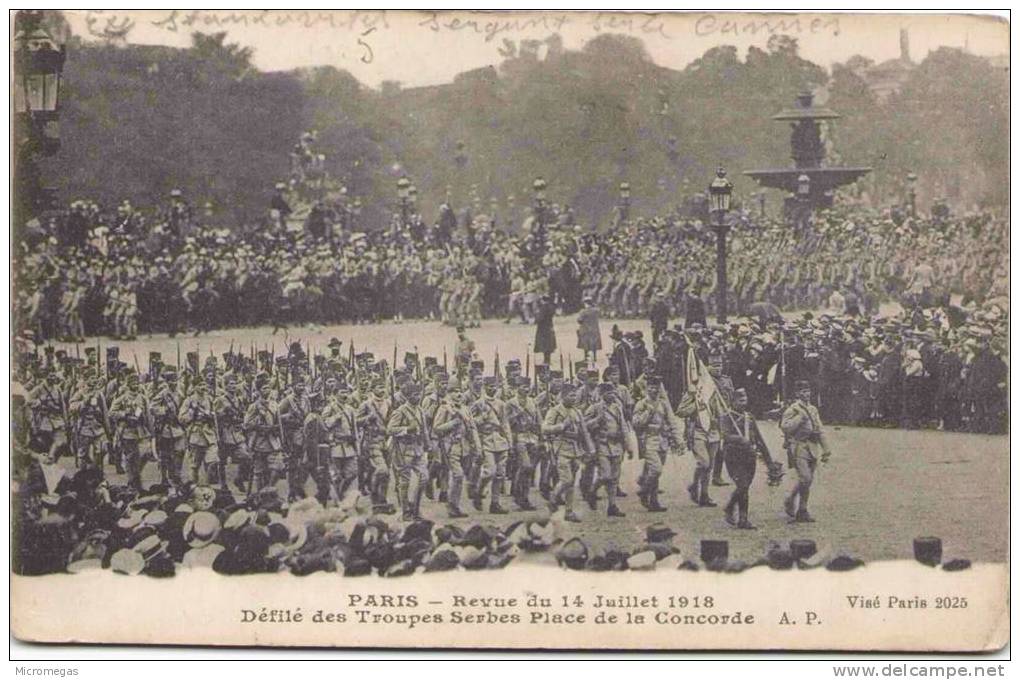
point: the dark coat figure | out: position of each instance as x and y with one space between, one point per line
890 386
694 312
835 383
623 359
589 336
949 391
983 398
669 363
545 336
659 316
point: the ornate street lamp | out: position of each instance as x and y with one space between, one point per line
719 193
912 193
539 186
38 65
403 194
624 201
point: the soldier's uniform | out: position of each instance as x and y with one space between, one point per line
409 434
371 418
262 423
90 412
654 429
128 410
230 410
202 457
294 408
165 408
49 426
525 423
490 416
607 425
456 436
570 444
341 425
741 444
703 440
805 442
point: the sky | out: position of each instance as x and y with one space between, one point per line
426 48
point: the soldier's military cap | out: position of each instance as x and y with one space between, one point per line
155 358
491 380
556 375
410 357
513 362
592 373
364 356
652 381
334 342
607 388
478 364
430 361
580 367
802 385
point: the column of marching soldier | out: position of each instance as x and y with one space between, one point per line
455 435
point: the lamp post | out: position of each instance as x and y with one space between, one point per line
624 201
539 186
38 65
719 193
403 194
912 193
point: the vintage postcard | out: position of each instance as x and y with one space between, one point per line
519 330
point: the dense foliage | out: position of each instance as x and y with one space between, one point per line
139 120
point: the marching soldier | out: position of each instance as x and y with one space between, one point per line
456 436
703 439
525 423
48 405
564 426
654 430
806 445
408 428
230 409
294 409
607 425
91 421
741 444
198 416
129 410
341 425
265 434
490 416
371 420
165 408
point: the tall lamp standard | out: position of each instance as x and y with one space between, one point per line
624 201
539 186
38 66
719 193
912 193
404 194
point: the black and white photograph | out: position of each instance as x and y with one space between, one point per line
520 330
